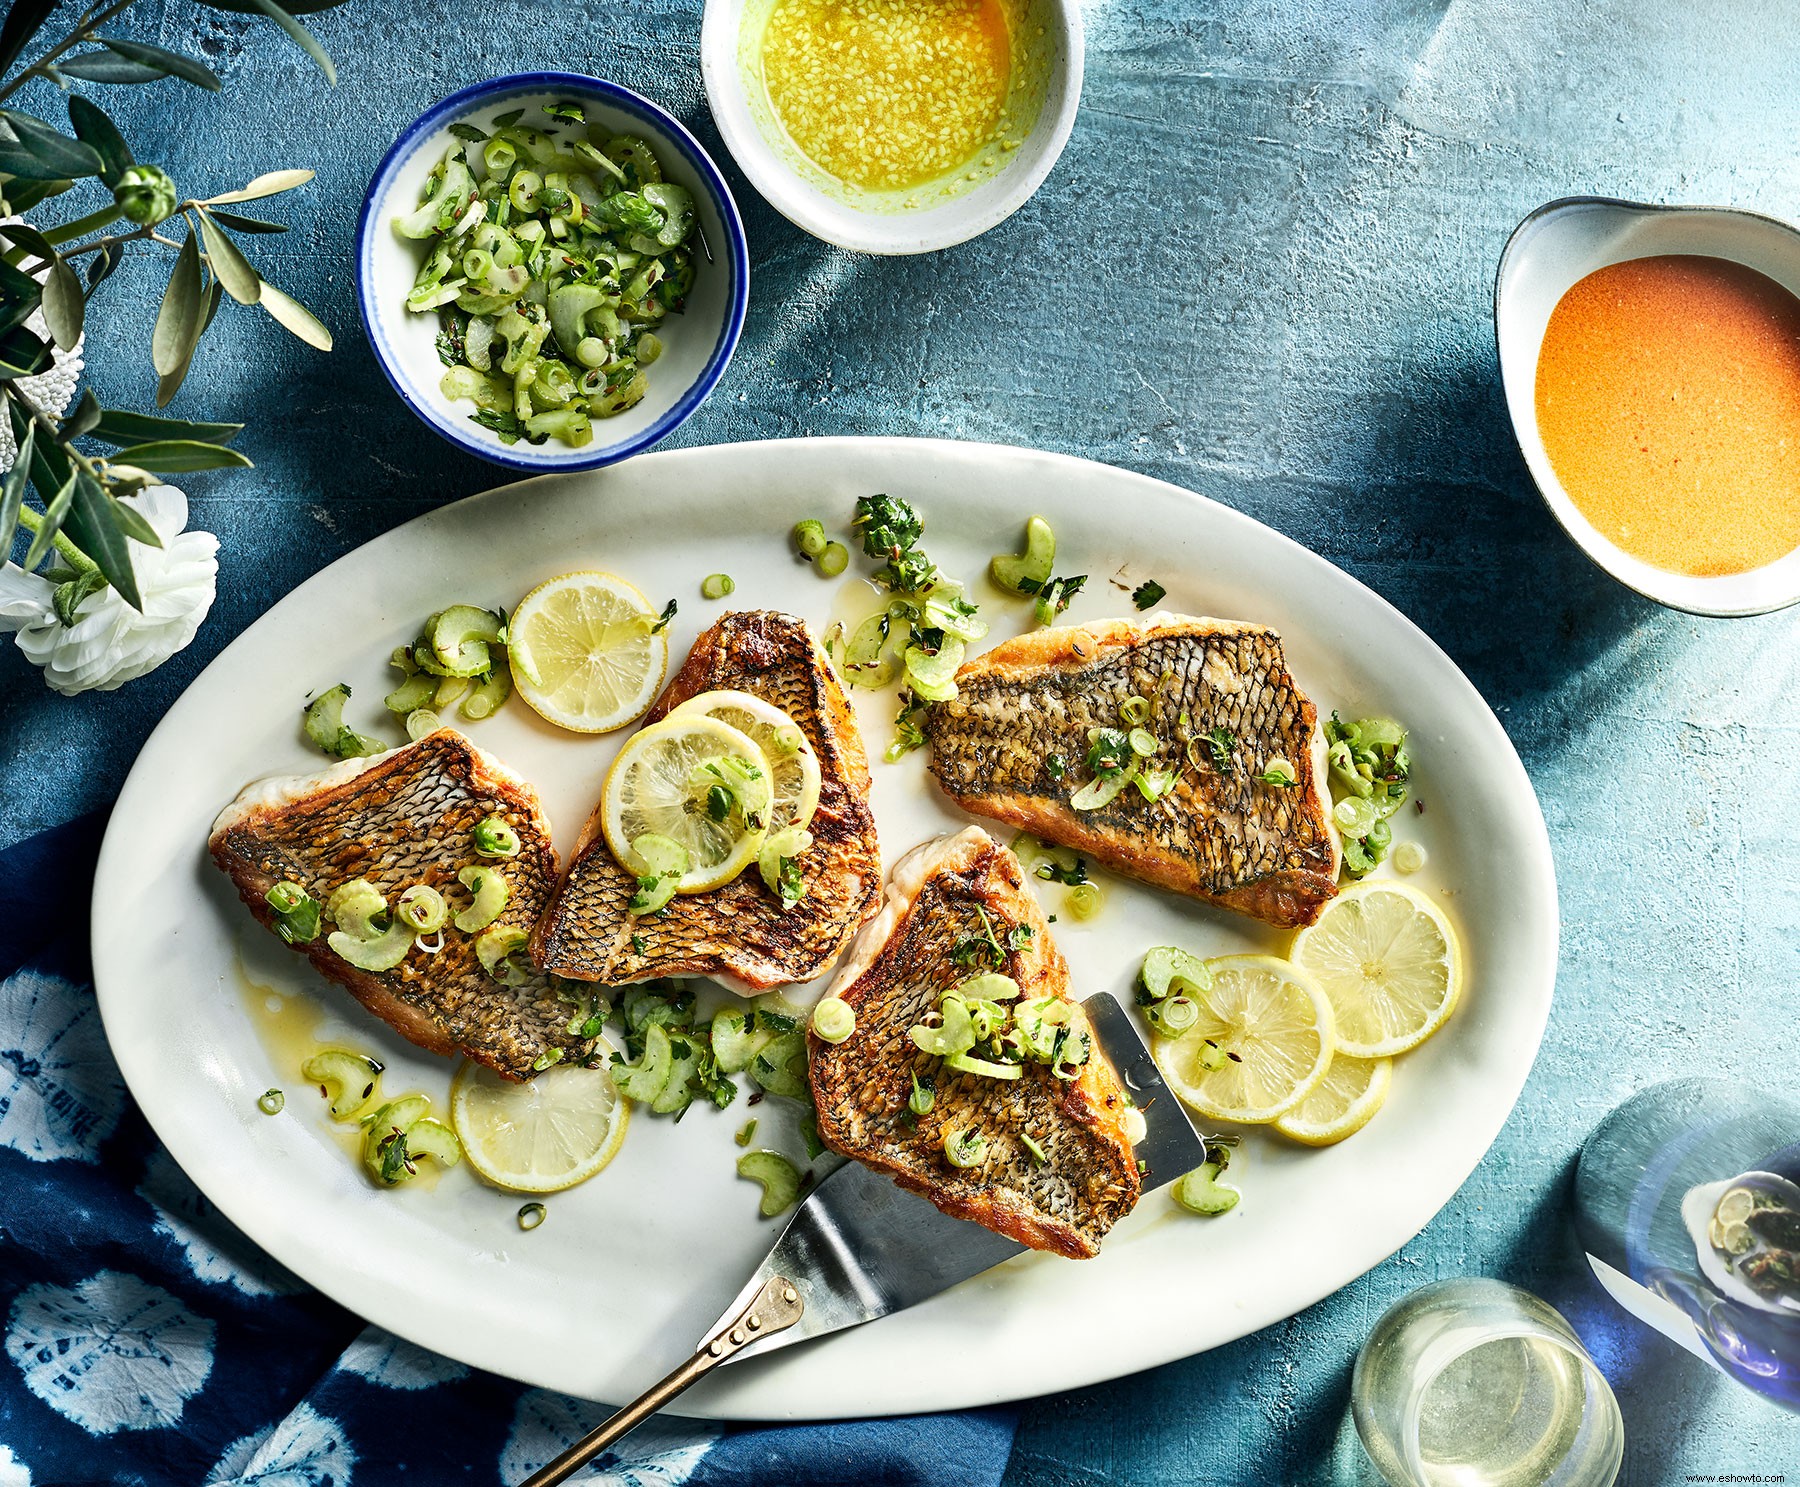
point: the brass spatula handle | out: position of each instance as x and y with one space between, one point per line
775 1308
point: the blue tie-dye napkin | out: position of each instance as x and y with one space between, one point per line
148 1342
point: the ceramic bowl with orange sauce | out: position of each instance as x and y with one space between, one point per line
1651 361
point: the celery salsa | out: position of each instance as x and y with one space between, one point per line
556 250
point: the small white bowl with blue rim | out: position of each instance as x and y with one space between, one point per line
697 344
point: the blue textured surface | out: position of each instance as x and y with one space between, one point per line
1262 270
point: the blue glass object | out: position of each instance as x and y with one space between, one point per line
1687 1200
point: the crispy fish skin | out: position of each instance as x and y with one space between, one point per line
900 966
1220 836
737 934
397 819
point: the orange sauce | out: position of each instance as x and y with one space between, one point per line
1668 400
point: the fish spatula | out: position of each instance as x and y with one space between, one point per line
861 1247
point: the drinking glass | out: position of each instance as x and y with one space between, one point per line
1475 1383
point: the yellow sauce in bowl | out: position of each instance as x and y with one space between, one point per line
1668 402
895 103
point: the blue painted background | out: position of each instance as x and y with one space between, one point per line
1261 270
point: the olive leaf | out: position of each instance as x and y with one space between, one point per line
125 429
161 60
12 491
292 7
22 354
37 152
83 419
178 321
180 456
229 266
300 36
267 184
96 527
170 383
108 67
106 259
16 285
237 222
25 236
55 510
131 521
22 196
64 304
95 130
293 315
23 21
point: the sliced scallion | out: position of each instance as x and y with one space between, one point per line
1134 710
834 1019
531 1215
495 838
271 1102
296 913
965 1148
423 907
834 560
809 537
717 586
747 1133
1085 900
1038 1159
922 1098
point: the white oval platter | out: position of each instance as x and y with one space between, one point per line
627 1271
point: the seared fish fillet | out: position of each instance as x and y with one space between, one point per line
1014 745
900 965
401 818
737 934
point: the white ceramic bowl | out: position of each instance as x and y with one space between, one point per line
697 343
806 196
1562 243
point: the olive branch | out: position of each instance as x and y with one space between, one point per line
82 519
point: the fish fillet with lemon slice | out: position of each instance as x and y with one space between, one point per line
749 680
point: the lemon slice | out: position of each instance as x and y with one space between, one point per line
791 757
1262 1042
662 784
1389 960
583 654
543 1136
1342 1103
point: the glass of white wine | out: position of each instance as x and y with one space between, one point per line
1475 1383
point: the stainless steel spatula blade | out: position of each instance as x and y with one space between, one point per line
860 1247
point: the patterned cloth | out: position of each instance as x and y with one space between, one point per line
149 1342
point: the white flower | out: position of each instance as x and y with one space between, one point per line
110 643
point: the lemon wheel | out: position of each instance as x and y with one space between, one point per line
542 1136
792 762
1261 1044
1342 1103
1391 964
584 654
666 783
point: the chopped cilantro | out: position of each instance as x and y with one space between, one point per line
1148 594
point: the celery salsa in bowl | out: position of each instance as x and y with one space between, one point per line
551 271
